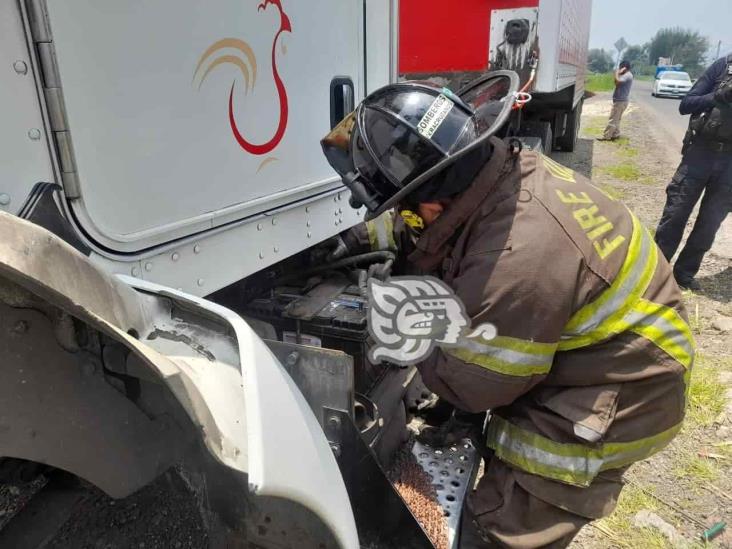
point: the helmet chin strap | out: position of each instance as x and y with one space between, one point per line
359 193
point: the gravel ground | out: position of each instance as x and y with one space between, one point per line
163 515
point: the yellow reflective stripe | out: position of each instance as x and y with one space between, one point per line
665 328
373 238
605 316
557 170
390 242
576 464
381 233
506 355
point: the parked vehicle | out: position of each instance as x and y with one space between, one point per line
545 41
671 84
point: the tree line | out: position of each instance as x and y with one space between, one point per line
682 46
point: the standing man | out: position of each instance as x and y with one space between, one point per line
588 371
621 96
706 166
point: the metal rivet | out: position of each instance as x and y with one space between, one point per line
336 213
339 196
196 249
259 226
4 199
336 222
308 224
20 67
261 255
135 271
175 256
340 210
307 209
276 249
310 234
274 221
148 266
336 449
334 421
335 199
292 358
199 282
34 134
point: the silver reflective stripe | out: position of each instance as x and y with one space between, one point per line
586 466
621 294
670 331
382 234
506 355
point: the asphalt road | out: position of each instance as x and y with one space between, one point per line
666 111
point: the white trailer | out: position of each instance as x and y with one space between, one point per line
155 152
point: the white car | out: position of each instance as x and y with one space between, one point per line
671 84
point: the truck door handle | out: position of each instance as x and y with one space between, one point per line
342 99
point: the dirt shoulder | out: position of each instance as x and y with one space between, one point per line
688 485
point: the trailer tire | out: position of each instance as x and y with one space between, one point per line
568 141
547 138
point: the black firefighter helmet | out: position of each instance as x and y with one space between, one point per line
404 135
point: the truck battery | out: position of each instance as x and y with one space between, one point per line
333 314
330 315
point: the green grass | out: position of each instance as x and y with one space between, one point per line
624 172
628 152
619 526
593 126
706 392
600 82
694 467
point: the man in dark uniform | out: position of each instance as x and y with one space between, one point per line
706 167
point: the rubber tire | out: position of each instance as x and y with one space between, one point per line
568 141
547 138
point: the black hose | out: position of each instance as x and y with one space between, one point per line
381 256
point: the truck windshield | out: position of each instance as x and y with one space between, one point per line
675 76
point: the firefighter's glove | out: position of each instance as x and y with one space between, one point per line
460 426
723 95
333 249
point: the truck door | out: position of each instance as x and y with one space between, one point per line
179 116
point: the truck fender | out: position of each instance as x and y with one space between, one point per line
226 389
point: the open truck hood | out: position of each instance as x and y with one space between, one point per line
250 415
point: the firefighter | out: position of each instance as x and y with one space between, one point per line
589 370
706 167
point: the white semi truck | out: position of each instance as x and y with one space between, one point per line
162 191
157 152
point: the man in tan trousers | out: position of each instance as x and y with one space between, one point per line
621 96
588 372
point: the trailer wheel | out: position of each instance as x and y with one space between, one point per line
547 137
568 141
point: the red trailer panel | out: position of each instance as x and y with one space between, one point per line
439 36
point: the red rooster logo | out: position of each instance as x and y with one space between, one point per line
247 64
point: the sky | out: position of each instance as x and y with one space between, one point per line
638 20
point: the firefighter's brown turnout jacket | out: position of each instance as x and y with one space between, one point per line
590 367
